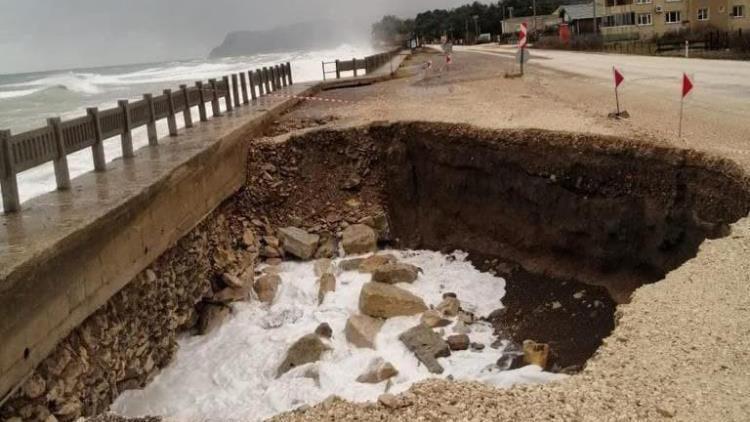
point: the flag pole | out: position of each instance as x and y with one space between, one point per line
682 104
617 100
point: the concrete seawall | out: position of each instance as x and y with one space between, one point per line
68 254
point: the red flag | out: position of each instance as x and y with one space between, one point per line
687 85
522 39
618 77
448 59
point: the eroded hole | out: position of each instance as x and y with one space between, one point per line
572 223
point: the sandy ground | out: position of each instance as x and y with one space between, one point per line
681 349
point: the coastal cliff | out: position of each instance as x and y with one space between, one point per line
300 36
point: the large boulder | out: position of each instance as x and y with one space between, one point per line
327 284
382 300
427 345
359 239
361 330
535 353
305 350
458 342
351 264
298 242
266 287
377 371
395 272
373 262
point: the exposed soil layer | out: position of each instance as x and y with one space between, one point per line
598 210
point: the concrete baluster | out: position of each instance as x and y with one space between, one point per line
274 86
228 97
235 90
266 81
282 74
354 65
289 73
126 139
97 150
8 180
215 109
60 163
171 119
153 138
187 115
251 81
243 83
202 105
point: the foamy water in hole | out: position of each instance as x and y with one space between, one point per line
231 372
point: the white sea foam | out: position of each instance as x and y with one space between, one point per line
230 373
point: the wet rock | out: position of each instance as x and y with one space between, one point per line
512 358
266 287
434 319
427 345
327 247
324 330
270 252
476 347
298 242
394 402
379 223
232 281
373 262
327 284
458 342
323 266
382 300
359 239
450 294
395 272
361 330
466 317
449 307
350 264
229 295
211 317
377 371
535 353
305 350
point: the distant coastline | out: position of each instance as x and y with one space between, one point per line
301 36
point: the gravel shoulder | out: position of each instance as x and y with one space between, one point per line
680 349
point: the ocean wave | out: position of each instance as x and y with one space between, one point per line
83 83
4 95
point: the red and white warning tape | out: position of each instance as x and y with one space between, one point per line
299 97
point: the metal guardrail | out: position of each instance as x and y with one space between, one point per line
55 141
369 64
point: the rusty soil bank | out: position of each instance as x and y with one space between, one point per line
659 230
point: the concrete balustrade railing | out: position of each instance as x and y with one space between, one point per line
369 64
55 141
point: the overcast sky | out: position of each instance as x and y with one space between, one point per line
55 34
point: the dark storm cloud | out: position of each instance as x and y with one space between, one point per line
47 34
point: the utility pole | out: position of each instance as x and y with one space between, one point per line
476 27
466 40
533 5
